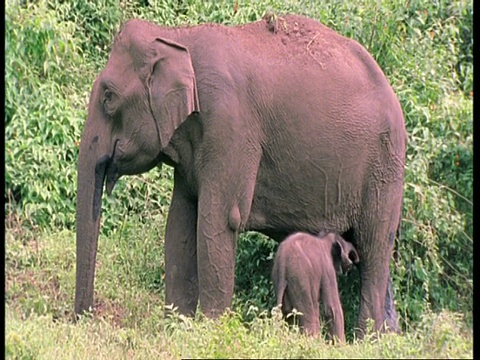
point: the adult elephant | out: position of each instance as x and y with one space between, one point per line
278 130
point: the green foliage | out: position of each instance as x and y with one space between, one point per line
42 119
253 287
435 262
54 50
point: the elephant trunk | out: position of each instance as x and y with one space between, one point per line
93 163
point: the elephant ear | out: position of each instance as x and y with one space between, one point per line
172 87
337 256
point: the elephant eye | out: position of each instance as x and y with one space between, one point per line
108 102
107 96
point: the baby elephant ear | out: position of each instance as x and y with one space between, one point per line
348 254
172 87
338 257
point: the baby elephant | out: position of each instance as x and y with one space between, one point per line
305 270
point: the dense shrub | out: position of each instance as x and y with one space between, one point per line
54 50
43 115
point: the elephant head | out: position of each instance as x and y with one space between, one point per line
344 254
146 91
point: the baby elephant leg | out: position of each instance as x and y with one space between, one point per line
333 311
310 323
304 300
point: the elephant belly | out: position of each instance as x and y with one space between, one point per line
285 201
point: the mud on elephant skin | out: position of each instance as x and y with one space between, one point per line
276 132
305 275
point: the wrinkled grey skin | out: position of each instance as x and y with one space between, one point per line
305 274
276 132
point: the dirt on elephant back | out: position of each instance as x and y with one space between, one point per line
293 37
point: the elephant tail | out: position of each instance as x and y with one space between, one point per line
398 237
279 282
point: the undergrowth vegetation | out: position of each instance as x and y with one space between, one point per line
53 52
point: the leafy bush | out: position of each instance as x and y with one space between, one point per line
54 50
42 115
254 257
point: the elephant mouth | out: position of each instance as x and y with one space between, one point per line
111 171
111 177
100 170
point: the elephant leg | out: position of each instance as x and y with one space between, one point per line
181 283
391 317
333 309
216 256
375 243
304 298
374 278
226 188
310 321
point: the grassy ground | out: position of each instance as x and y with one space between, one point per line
55 48
129 321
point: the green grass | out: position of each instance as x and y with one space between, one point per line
54 49
129 321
